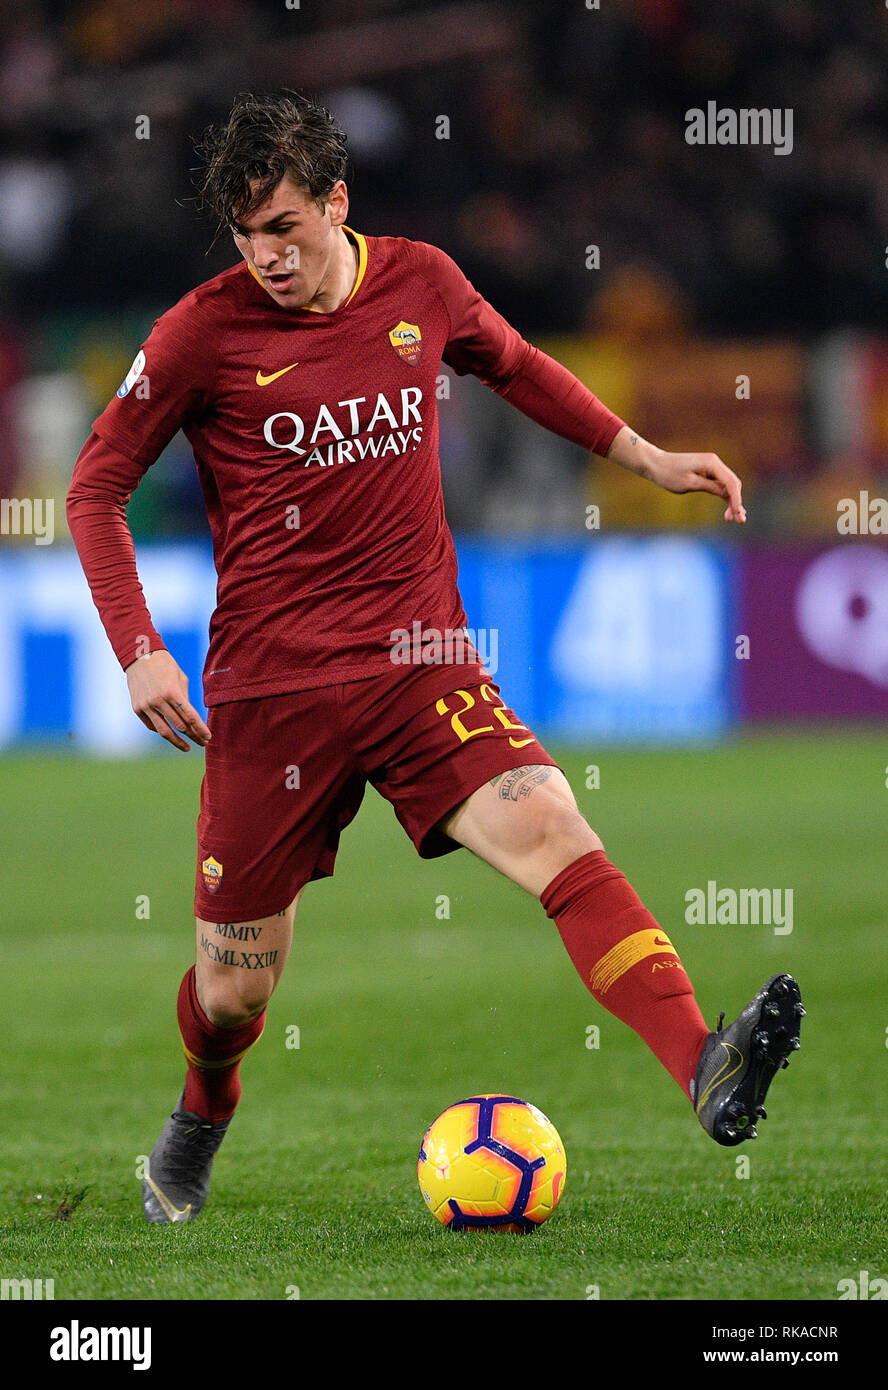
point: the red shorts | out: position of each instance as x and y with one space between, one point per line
286 773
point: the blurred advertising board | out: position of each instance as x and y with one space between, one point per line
59 679
817 622
616 638
621 638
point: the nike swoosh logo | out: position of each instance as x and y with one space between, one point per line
267 380
722 1074
521 742
658 942
172 1212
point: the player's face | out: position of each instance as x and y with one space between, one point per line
289 242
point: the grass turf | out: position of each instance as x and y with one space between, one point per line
401 1013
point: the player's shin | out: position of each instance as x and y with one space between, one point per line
213 1054
627 961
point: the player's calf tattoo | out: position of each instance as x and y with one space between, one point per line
521 781
238 931
241 960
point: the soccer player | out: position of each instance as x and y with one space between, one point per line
304 379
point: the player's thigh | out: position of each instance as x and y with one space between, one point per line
238 964
526 823
280 783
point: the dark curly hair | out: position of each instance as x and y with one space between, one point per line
265 138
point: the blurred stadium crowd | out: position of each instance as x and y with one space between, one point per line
566 131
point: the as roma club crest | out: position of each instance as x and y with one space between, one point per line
212 874
406 339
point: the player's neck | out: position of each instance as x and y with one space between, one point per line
340 280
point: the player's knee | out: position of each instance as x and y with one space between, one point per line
563 833
229 1002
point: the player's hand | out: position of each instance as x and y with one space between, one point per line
699 473
158 690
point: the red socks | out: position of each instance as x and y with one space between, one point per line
212 1085
627 961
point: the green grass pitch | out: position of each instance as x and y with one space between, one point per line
401 1012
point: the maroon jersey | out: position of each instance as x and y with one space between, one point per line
316 440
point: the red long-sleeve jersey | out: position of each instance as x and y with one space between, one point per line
316 442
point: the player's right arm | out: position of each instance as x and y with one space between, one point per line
170 383
103 482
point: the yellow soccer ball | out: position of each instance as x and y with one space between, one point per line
492 1162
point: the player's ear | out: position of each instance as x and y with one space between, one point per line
337 203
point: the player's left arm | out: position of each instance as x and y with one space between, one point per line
548 393
679 472
482 342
